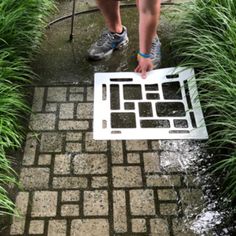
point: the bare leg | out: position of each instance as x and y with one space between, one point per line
111 12
149 14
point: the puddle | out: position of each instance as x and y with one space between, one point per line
202 213
206 221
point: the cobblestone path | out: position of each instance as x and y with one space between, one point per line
74 185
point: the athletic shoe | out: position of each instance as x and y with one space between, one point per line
156 52
107 43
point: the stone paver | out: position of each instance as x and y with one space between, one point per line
51 142
57 228
99 182
95 203
167 194
73 136
18 224
77 186
117 152
85 111
66 111
51 107
159 227
44 203
62 164
90 164
90 227
57 94
76 97
163 180
139 225
180 229
133 158
73 147
142 202
168 209
69 210
127 176
70 195
69 182
36 227
38 99
44 159
151 162
73 125
92 145
41 121
119 211
35 178
30 150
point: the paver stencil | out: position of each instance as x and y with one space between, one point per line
163 106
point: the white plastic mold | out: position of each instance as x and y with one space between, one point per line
165 105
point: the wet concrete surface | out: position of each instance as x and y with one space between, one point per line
63 62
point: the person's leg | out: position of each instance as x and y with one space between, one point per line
113 38
111 12
149 16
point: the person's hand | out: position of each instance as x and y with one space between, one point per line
144 65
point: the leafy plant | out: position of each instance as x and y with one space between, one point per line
7 177
22 24
206 40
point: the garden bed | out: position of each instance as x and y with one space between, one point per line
21 29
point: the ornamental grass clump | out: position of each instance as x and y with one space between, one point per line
22 23
206 40
12 108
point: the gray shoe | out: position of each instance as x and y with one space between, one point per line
156 52
107 43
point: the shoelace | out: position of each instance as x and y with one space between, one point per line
103 38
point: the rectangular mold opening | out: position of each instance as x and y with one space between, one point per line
104 92
155 124
171 90
190 107
170 109
132 92
151 87
129 106
121 79
173 76
179 131
181 123
114 97
116 132
145 109
104 124
123 120
192 117
153 96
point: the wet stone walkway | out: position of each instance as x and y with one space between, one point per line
74 185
